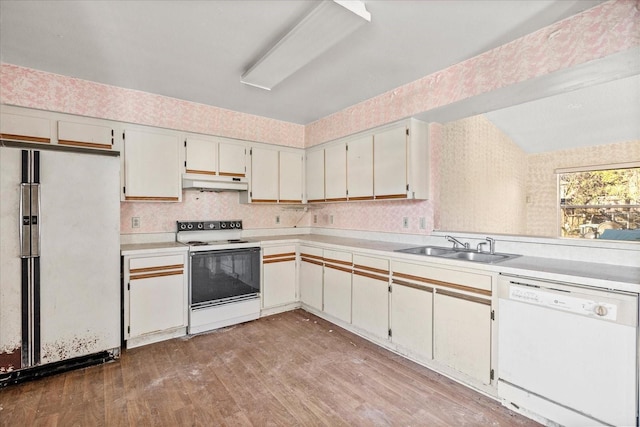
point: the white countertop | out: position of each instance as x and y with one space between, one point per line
601 275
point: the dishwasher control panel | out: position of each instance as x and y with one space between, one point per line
585 306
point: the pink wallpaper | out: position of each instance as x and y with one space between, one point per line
26 87
606 29
603 30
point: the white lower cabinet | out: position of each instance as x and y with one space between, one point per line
311 276
462 333
412 319
370 295
338 269
155 298
278 276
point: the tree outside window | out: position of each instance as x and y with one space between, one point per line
592 202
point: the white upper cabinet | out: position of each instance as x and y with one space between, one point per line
315 176
360 168
277 176
25 127
335 172
264 175
290 177
85 135
152 165
201 156
390 163
233 159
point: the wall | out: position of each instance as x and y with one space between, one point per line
606 29
542 184
482 179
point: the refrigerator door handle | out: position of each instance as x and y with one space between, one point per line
35 220
25 220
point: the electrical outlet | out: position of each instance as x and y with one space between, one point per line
330 219
315 219
423 223
405 222
135 222
277 219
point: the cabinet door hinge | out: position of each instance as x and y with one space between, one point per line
128 329
407 132
250 193
390 289
346 147
493 315
407 187
251 152
124 190
390 333
185 163
185 143
112 135
491 374
123 135
129 286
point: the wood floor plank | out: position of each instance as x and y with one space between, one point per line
290 369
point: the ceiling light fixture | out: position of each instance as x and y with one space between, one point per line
327 24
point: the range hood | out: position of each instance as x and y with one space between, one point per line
213 183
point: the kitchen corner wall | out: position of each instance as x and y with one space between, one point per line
598 32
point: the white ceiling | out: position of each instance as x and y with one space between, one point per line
197 50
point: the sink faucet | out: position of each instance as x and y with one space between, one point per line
456 242
492 245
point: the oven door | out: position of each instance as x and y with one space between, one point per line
224 276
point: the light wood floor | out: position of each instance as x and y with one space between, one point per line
291 369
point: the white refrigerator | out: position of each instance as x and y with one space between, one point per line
59 259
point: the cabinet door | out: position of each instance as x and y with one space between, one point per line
335 172
25 128
360 169
156 295
290 177
390 163
85 135
370 305
233 159
462 333
337 284
311 273
264 175
278 276
412 318
201 156
152 166
315 176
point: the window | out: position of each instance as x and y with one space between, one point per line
600 203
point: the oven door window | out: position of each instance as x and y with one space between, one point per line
224 276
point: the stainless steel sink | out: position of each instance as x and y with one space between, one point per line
428 251
462 254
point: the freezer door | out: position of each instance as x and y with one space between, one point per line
10 261
79 254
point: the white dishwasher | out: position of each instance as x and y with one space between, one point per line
568 353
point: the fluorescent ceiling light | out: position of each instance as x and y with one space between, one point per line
326 25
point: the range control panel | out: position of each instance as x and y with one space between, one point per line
208 225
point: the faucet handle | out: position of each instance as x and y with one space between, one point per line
479 247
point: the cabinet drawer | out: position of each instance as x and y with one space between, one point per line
442 277
337 257
159 264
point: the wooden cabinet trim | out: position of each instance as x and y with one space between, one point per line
336 267
25 138
316 200
158 274
337 261
287 254
311 261
443 284
391 196
238 175
367 268
271 261
290 201
464 297
318 257
151 198
412 285
157 268
84 144
371 276
337 199
201 172
264 201
360 198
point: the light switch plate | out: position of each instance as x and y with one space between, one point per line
135 222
